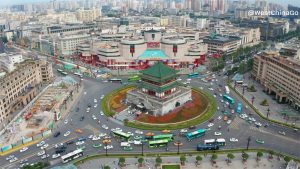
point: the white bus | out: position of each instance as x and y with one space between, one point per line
72 155
125 144
221 142
210 142
78 74
227 89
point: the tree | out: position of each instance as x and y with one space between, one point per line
287 159
214 157
259 155
198 159
158 161
242 68
230 156
141 161
245 156
264 102
121 161
4 39
271 153
252 88
125 121
106 167
182 159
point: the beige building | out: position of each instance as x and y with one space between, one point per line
88 15
20 86
279 75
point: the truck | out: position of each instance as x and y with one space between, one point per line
227 90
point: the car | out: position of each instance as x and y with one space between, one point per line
260 141
137 142
137 137
81 147
82 139
23 161
95 138
95 100
192 127
102 134
13 159
220 118
58 145
45 156
118 129
70 142
23 149
94 117
128 148
57 134
44 146
211 89
97 145
233 140
258 124
102 96
108 147
95 105
107 137
81 118
101 113
40 143
215 95
210 125
23 165
105 127
67 133
218 133
229 121
218 108
41 153
79 143
139 132
130 133
281 132
66 121
178 79
61 148
211 120
60 151
55 156
183 131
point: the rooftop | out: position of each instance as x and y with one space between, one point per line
154 54
159 71
222 39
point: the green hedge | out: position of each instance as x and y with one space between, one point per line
257 112
105 101
161 154
212 108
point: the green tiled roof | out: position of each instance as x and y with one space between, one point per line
158 89
159 72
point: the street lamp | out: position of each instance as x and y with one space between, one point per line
142 148
106 143
268 112
177 143
248 142
243 90
252 99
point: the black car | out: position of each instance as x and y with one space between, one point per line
61 148
70 142
81 118
60 151
192 127
57 134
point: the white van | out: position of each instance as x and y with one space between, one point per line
125 144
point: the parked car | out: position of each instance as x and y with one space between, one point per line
55 156
57 134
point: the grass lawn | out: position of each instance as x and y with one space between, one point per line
171 167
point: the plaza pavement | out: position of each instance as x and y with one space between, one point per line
259 95
132 163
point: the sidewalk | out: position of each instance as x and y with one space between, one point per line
132 163
274 107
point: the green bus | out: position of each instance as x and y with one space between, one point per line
121 135
158 143
195 134
134 78
169 137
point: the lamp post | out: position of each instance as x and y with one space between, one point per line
142 148
243 90
106 143
177 143
248 142
252 99
268 112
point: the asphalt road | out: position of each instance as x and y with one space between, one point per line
93 89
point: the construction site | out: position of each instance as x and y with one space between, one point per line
39 119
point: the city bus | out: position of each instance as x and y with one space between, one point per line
220 142
72 155
228 99
158 143
227 90
239 108
59 70
134 78
64 73
201 147
193 75
210 142
78 74
195 134
161 137
115 80
121 135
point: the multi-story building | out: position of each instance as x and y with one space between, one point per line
222 44
8 61
20 86
279 75
88 15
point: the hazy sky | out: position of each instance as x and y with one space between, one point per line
10 2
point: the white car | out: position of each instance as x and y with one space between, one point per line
179 79
102 96
118 129
102 134
210 89
55 156
220 117
23 165
23 149
130 133
218 133
40 143
183 131
137 142
215 95
44 146
66 121
252 119
218 108
45 156
101 113
281 132
96 138
210 125
138 132
221 95
108 147
67 133
105 127
91 136
95 100
222 101
95 105
13 159
229 121
258 124
201 88
94 117
79 143
233 140
58 145
40 153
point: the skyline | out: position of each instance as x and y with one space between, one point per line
16 2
